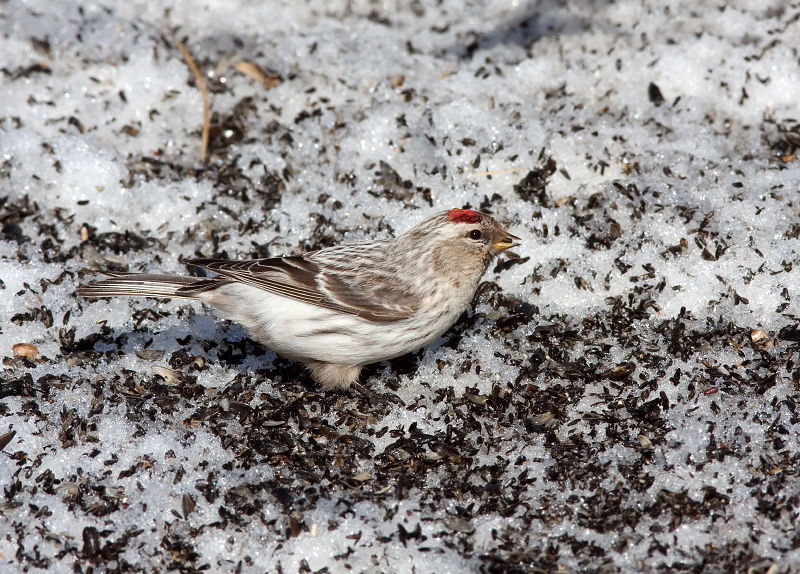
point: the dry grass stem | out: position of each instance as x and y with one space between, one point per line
268 80
202 85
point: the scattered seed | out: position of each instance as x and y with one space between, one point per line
654 93
760 339
543 419
168 375
188 505
478 399
6 438
150 354
7 507
457 524
68 488
27 350
431 456
273 423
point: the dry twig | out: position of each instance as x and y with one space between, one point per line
202 85
268 80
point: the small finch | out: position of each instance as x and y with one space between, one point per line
340 308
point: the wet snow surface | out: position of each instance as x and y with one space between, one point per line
622 396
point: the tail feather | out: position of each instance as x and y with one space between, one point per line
149 285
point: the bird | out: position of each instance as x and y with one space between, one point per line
340 308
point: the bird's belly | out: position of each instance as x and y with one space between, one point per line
305 332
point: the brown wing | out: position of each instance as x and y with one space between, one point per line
331 287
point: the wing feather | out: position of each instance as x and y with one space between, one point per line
330 282
148 285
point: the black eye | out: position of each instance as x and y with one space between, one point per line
475 234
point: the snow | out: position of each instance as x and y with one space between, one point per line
663 240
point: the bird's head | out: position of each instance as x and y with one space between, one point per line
476 232
457 244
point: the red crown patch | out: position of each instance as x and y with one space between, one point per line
463 216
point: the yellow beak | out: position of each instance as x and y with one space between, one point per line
506 242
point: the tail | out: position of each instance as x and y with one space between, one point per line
149 285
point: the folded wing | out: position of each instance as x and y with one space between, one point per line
366 295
